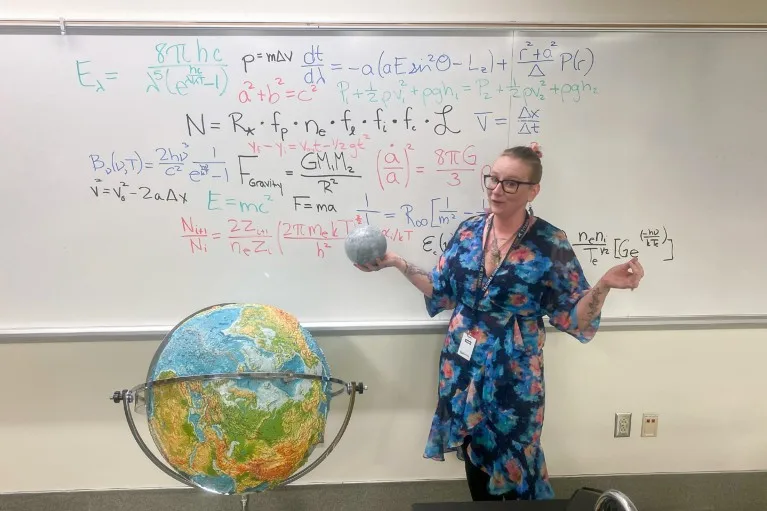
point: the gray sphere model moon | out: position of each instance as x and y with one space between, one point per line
365 244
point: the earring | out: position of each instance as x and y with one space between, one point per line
530 208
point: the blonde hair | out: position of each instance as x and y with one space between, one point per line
531 155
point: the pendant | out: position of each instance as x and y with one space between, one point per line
495 254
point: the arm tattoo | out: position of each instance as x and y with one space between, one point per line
593 304
411 269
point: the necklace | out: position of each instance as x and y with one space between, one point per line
516 240
495 250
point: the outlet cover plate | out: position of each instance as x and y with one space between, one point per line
622 425
650 424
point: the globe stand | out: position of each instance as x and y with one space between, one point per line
137 397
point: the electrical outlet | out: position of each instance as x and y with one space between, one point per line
650 424
622 425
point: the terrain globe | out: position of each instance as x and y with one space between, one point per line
238 435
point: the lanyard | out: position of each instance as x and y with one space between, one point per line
481 288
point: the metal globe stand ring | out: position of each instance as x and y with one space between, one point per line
137 397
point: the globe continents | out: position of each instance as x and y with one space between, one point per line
238 435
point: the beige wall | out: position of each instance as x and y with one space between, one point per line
58 431
700 11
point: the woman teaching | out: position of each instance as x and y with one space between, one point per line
501 272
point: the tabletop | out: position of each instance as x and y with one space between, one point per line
581 500
510 505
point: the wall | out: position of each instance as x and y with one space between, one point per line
63 433
692 11
58 431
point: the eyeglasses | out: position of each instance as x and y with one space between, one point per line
508 185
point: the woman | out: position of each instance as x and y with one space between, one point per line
501 272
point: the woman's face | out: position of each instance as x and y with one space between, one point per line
512 193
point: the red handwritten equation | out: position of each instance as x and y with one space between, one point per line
304 146
249 238
396 166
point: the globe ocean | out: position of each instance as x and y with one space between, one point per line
238 435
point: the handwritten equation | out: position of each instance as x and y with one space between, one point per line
246 237
397 165
437 214
543 64
294 145
249 237
530 75
165 161
430 95
123 191
350 146
346 122
177 69
597 246
316 63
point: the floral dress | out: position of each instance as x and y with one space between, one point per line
497 396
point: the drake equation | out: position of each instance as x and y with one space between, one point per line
651 240
441 121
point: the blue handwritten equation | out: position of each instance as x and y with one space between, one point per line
384 65
166 161
86 77
177 69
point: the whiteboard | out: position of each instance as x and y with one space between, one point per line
146 176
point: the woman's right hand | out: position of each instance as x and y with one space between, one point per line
388 260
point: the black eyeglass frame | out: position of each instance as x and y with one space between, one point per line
504 183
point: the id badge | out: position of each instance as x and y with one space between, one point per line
466 348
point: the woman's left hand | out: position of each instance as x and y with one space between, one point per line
624 276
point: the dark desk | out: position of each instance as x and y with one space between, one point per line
581 500
513 505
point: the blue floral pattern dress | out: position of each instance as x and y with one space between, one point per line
497 397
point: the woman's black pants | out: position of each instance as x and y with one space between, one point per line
478 480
